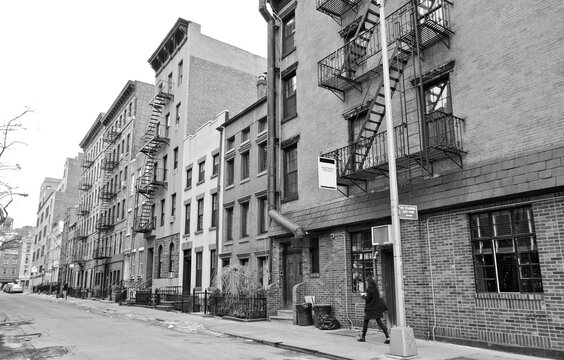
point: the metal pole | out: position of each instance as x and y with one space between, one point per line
402 338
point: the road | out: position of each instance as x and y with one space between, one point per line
35 328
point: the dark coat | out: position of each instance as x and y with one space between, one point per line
374 305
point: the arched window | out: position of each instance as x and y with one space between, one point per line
160 254
170 257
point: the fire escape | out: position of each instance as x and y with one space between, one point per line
106 193
152 177
79 235
427 132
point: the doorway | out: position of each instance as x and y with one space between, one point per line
292 273
149 268
388 280
187 272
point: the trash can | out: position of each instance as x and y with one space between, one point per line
304 314
319 309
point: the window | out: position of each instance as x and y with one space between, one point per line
438 106
291 172
169 84
230 172
245 165
175 158
200 223
171 257
289 96
262 215
262 157
314 254
187 219
289 30
162 212
229 223
127 143
245 134
262 272
199 269
244 262
214 210
362 265
180 71
201 172
188 178
244 207
213 263
173 205
165 161
505 251
262 125
167 125
215 166
178 110
230 143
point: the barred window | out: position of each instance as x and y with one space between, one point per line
505 251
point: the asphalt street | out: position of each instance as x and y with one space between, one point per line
31 328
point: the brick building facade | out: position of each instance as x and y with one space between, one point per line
482 160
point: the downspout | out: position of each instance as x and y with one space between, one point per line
297 230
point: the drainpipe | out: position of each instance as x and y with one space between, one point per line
298 231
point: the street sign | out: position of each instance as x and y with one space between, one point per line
408 212
327 173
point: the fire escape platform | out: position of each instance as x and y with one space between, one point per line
336 8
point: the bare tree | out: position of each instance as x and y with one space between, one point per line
10 241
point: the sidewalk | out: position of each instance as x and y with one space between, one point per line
334 344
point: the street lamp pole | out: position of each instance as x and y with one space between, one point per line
402 342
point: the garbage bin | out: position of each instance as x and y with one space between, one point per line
304 314
319 309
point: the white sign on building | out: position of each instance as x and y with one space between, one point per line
327 173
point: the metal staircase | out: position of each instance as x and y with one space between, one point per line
151 178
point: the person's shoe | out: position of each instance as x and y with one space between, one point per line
387 341
360 338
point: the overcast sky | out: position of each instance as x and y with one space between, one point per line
67 60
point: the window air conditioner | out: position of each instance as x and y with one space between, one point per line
172 218
123 183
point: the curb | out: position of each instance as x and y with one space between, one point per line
280 344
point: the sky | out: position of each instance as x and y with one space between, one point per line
67 61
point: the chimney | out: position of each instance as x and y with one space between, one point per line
261 86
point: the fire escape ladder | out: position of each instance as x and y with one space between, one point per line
372 112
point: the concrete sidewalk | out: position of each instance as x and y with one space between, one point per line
331 344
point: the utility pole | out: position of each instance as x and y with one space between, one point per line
402 339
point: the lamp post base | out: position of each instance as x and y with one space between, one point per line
402 343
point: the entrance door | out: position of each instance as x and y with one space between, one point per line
388 280
187 271
149 268
292 273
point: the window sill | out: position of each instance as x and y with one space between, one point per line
212 228
231 186
286 119
199 232
214 175
186 235
262 236
245 180
244 241
187 188
289 198
201 182
314 275
262 173
288 52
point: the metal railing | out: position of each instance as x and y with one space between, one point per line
368 153
445 131
367 44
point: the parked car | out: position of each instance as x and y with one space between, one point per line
7 287
16 288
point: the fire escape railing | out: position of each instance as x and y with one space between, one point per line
368 153
85 185
445 131
337 71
